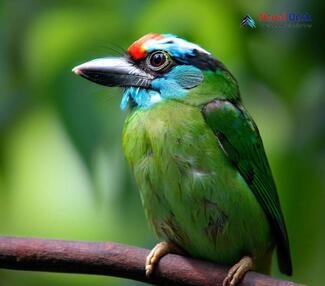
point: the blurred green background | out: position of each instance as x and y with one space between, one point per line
62 170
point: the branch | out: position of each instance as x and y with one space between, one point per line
113 259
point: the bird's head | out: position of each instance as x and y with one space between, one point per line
156 67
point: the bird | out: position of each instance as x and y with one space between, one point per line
196 155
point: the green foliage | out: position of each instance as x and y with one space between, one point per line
62 172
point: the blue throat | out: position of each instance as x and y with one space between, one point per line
174 84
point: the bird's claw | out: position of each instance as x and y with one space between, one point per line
160 250
236 273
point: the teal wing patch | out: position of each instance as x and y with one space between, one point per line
240 139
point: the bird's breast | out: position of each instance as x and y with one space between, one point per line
176 162
190 191
170 135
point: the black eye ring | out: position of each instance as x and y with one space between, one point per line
158 60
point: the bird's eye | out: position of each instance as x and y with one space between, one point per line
158 60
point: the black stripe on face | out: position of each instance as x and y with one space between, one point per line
204 61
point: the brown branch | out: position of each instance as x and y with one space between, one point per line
113 259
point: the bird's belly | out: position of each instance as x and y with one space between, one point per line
191 193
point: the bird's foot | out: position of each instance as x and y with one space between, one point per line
160 250
236 273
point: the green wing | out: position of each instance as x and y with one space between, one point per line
240 139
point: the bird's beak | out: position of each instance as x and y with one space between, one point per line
114 72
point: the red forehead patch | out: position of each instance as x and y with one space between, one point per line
137 51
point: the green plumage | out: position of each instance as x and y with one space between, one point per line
203 175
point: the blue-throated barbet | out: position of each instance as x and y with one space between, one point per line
196 155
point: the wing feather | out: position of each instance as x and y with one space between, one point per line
241 141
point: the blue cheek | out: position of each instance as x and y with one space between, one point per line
186 76
175 84
168 88
178 81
